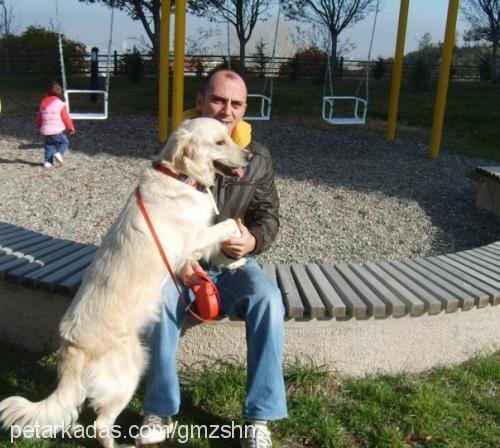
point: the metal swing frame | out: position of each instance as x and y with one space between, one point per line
67 92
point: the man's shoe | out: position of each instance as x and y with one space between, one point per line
58 156
257 435
47 165
154 429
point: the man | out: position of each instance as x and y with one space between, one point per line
245 292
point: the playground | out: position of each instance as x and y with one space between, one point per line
412 360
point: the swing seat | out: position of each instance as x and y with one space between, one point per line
265 108
360 108
88 115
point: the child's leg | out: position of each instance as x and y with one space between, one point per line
62 143
50 149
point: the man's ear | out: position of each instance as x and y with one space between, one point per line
199 102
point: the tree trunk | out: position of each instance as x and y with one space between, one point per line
242 56
333 57
494 72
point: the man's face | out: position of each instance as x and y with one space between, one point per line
224 100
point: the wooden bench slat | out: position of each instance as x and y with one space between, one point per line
307 291
6 243
474 281
493 257
270 271
333 303
27 245
10 229
8 262
70 285
431 304
49 282
414 305
395 306
375 306
470 294
463 259
494 286
495 246
291 297
13 235
5 225
33 278
355 307
452 297
47 255
479 260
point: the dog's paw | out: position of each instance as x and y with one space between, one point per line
233 229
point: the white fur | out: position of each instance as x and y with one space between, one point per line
101 356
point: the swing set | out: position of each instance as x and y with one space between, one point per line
103 114
359 100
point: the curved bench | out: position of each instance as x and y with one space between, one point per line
358 318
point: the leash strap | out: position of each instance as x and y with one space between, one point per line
163 255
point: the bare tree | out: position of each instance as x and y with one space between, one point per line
484 18
242 14
335 15
149 14
6 23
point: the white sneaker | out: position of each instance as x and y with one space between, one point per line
47 165
58 156
154 429
257 435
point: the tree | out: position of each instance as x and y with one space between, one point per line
335 15
242 14
36 51
147 11
260 58
484 18
6 21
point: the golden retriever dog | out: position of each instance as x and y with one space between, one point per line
101 357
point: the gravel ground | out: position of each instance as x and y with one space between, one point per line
346 194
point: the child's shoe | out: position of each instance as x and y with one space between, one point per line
47 165
58 156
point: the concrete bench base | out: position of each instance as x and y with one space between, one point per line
30 319
488 190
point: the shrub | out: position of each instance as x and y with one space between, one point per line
132 65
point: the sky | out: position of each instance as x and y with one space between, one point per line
89 24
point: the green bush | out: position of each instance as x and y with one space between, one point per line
378 70
132 65
420 75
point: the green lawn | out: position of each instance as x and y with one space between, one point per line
471 121
446 407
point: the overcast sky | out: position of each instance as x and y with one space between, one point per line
89 23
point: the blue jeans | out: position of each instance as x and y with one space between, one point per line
55 143
246 293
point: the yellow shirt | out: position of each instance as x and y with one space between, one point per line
242 132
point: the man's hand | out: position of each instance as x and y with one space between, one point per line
239 247
188 274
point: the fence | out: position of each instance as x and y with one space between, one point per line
294 68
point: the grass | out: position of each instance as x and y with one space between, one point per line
470 127
445 407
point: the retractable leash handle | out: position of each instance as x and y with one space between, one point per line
207 298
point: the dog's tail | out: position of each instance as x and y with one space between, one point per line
58 411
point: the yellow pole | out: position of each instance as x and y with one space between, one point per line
444 76
178 85
164 75
397 71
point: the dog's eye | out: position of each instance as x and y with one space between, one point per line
220 142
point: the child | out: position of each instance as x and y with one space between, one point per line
52 120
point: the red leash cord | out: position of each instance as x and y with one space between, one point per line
163 255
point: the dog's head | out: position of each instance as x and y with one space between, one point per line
202 147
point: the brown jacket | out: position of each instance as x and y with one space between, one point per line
253 198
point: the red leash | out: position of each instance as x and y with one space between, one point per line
209 287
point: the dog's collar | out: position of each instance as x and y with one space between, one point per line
180 177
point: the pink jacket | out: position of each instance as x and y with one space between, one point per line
53 117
